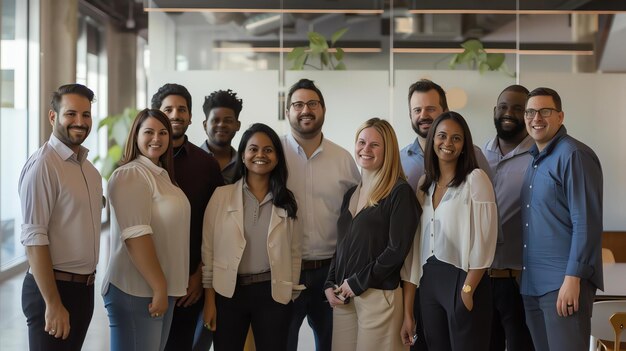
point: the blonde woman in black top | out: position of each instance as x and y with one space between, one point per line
378 221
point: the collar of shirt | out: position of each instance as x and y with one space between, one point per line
233 153
534 150
294 144
157 170
415 148
246 190
523 147
65 152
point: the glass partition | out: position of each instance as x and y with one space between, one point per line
574 47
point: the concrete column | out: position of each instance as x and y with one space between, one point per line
584 29
58 34
122 69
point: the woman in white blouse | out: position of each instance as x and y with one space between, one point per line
149 238
458 240
250 253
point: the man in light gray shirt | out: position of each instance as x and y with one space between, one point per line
61 198
508 157
320 172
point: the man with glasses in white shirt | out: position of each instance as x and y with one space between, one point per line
320 172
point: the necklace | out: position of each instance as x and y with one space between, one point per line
441 186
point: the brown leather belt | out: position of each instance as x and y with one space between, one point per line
503 273
315 264
87 279
247 279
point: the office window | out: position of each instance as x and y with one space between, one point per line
14 125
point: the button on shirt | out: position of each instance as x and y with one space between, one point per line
319 184
256 224
561 216
508 177
144 201
461 231
61 199
412 159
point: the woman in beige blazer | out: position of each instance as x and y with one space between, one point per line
251 254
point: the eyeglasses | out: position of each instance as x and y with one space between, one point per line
544 112
299 105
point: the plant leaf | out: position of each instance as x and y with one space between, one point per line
340 66
483 67
295 53
119 133
316 38
298 64
472 45
339 54
338 34
325 59
495 61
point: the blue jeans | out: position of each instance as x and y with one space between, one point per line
132 327
312 304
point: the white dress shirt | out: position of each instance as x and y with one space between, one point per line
319 184
145 202
462 231
61 198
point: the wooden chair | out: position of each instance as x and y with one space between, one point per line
601 329
607 256
618 321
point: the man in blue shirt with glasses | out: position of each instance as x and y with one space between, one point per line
562 224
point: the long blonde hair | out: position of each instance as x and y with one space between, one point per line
391 170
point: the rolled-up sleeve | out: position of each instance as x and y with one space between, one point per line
130 194
484 221
38 191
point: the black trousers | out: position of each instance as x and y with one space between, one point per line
78 301
420 343
183 327
251 305
509 330
448 325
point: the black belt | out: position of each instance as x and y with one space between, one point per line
315 264
503 273
247 279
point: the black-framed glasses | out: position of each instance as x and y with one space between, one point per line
311 104
543 112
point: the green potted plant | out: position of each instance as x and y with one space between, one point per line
475 56
117 132
330 57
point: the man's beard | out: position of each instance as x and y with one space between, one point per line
508 134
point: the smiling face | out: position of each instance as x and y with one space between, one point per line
308 122
425 107
221 126
448 141
176 109
369 149
508 115
260 156
543 129
152 139
72 124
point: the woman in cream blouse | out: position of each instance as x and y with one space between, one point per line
250 253
149 238
457 243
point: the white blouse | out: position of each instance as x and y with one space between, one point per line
462 231
145 202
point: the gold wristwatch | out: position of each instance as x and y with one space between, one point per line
466 288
